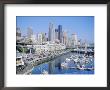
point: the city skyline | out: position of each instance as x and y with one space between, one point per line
83 26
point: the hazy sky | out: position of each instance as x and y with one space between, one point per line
82 25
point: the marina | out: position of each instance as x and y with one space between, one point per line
62 66
65 60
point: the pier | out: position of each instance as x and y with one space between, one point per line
82 51
80 68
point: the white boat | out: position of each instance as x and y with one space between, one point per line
76 59
64 65
81 67
19 61
44 72
67 60
72 56
90 56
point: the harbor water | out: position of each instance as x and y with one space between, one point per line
54 66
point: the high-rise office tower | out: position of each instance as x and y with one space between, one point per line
44 39
51 34
74 39
64 38
39 38
60 34
29 32
56 34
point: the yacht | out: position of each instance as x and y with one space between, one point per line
64 65
19 60
44 72
67 59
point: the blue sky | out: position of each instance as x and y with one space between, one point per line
82 25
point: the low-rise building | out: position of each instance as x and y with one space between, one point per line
49 47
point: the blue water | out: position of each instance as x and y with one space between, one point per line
54 67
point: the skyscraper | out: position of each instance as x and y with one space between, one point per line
60 34
39 37
51 33
44 39
64 38
56 34
74 39
69 42
18 33
29 32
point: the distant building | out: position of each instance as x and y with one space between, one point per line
33 38
18 34
74 40
29 32
51 34
44 38
65 38
69 42
39 37
79 42
56 34
60 33
49 47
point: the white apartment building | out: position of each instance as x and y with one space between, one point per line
39 38
49 47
